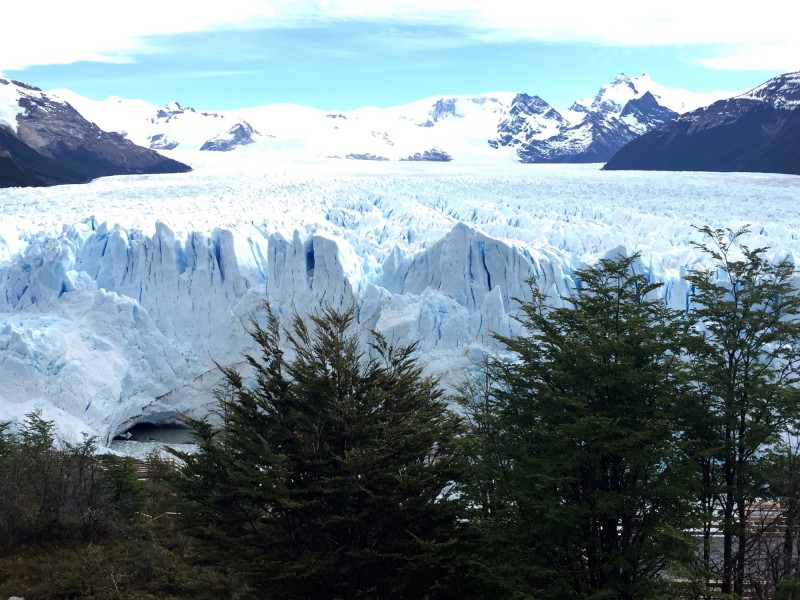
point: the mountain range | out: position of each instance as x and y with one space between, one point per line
498 126
118 298
62 137
758 131
56 137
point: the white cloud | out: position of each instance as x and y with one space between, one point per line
99 30
781 56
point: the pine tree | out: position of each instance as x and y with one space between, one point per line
330 475
584 446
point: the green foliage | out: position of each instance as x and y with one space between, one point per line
120 483
70 525
332 475
745 372
580 444
788 589
576 470
50 489
150 562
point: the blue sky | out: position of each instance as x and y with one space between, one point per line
342 54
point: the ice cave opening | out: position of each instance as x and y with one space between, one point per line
166 433
145 439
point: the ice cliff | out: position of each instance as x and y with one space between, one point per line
118 318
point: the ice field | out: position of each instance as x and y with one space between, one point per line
117 297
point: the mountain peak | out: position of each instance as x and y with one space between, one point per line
19 84
175 106
621 78
782 91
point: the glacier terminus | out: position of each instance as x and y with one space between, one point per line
118 297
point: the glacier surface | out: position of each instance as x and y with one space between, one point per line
118 297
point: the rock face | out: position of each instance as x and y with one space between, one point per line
70 149
160 141
758 131
22 166
442 109
240 134
432 155
529 117
365 156
620 112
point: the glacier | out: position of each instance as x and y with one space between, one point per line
119 297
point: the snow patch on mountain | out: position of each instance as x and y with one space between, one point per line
613 96
159 128
10 94
113 113
782 92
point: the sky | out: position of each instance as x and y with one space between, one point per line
344 54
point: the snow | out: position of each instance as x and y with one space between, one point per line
462 129
112 114
9 104
116 297
782 91
613 96
462 126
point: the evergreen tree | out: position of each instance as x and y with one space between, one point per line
592 487
747 309
495 561
331 475
121 485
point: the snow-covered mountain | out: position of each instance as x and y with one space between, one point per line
163 128
593 130
496 127
45 141
117 297
756 131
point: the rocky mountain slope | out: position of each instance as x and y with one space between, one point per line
495 127
45 141
593 129
758 131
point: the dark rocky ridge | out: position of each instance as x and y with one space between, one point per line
21 166
758 131
240 134
53 144
646 109
365 156
432 155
